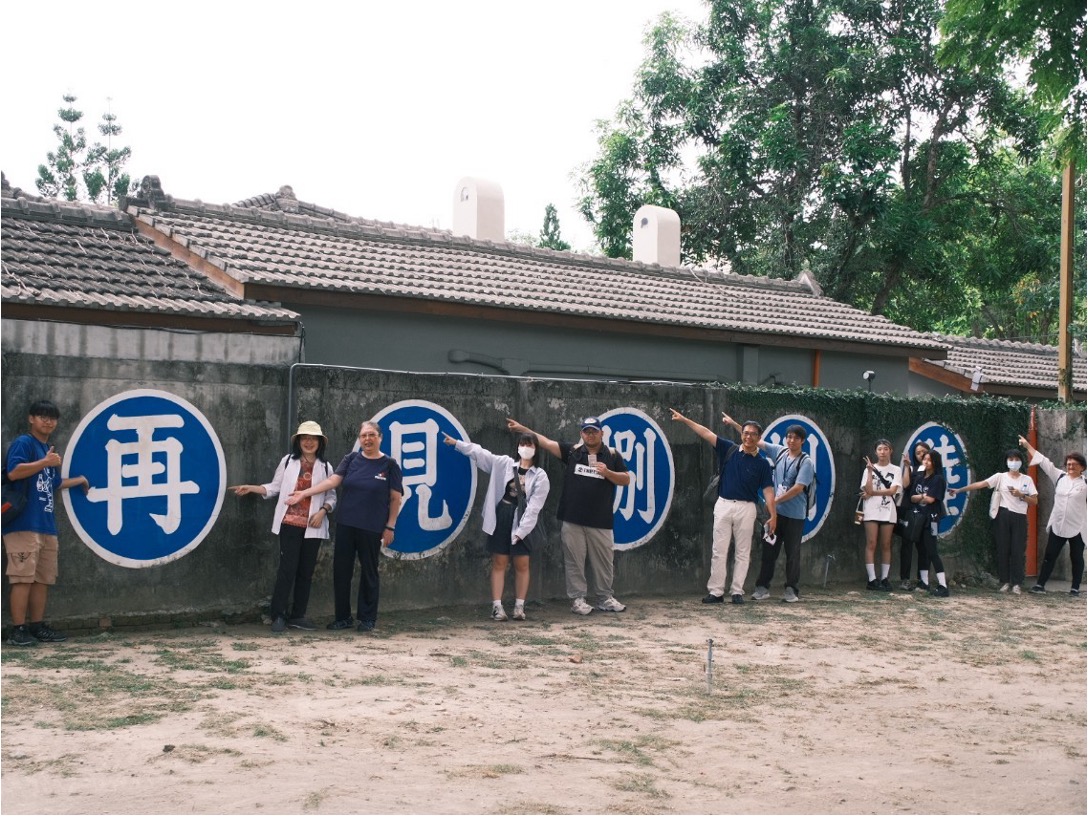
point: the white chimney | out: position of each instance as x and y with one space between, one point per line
479 210
656 236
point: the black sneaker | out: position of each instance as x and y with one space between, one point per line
738 599
714 599
873 586
1075 593
44 633
345 623
366 626
279 624
1038 589
305 624
20 636
940 591
921 587
884 585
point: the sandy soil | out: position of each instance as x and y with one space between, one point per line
848 702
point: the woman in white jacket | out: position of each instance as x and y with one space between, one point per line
1067 521
301 527
515 496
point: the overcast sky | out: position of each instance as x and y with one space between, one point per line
375 109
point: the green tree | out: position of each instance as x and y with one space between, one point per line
796 134
59 177
1049 35
76 171
549 233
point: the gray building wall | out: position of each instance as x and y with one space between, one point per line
408 342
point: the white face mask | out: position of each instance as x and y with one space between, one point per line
1013 464
526 451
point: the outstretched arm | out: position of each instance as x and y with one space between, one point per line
550 445
701 430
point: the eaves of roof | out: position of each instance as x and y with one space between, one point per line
1008 368
88 264
303 259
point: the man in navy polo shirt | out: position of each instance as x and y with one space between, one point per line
743 475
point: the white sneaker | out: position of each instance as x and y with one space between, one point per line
761 594
790 595
580 607
610 604
498 613
519 613
1004 588
1016 590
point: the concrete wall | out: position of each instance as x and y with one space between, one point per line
231 572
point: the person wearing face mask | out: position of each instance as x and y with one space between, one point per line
1067 516
515 496
1013 492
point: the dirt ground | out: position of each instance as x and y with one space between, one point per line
847 702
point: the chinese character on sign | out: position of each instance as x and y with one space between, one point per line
133 471
641 506
157 476
415 447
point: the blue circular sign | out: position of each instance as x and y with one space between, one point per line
439 483
948 444
640 508
823 463
157 476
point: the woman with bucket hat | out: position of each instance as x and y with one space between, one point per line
301 527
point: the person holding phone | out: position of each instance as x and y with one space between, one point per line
593 472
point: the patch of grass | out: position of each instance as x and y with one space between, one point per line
643 784
265 730
484 771
638 750
245 646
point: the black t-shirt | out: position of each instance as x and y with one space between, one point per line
587 496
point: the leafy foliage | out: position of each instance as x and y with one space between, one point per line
75 171
795 134
549 233
1048 34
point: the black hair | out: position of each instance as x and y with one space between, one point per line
296 446
797 430
882 441
914 449
1014 452
754 424
531 438
935 458
44 408
1076 457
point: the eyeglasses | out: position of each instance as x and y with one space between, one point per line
749 433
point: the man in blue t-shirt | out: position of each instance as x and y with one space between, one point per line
742 475
30 539
794 473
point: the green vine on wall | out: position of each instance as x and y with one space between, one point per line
988 426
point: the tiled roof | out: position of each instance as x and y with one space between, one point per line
264 245
90 257
1005 363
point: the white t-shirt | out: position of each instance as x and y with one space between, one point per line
1002 483
881 508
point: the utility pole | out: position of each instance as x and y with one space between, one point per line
1065 302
